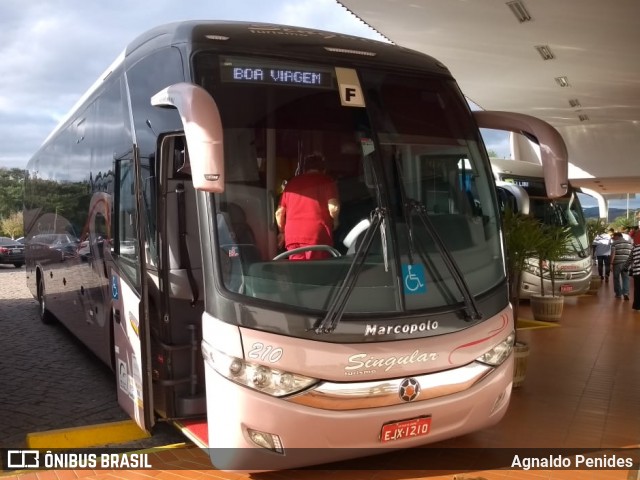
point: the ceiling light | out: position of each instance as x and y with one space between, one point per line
545 52
562 81
583 118
574 102
519 10
346 50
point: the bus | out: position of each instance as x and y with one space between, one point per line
522 184
167 174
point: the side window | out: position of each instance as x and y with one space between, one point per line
146 78
126 248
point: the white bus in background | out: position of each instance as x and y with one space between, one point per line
174 161
523 182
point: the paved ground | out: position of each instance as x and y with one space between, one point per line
49 380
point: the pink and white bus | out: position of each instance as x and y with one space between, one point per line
167 175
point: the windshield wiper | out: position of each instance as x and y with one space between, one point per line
339 301
471 308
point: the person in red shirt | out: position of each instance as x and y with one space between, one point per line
308 211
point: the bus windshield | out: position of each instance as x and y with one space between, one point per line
565 211
408 167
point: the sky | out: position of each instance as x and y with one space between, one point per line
53 50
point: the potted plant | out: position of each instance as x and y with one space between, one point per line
522 239
522 235
555 243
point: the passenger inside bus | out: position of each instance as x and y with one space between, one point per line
308 211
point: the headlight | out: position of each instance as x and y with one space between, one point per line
532 268
499 353
271 381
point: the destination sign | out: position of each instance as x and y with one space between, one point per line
533 186
252 71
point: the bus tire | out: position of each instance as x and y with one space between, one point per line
44 314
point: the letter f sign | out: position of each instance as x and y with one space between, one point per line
351 96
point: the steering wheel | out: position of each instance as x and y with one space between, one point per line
308 248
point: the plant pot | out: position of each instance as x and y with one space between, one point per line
547 308
594 285
520 360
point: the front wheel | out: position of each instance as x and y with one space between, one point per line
44 313
18 264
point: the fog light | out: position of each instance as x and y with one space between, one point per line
266 440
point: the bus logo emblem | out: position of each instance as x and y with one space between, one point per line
409 389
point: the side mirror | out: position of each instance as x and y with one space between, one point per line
203 132
553 150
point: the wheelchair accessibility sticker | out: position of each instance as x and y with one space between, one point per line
114 287
413 279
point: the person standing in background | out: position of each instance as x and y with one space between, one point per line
620 251
633 265
602 253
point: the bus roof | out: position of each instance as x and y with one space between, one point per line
259 39
263 38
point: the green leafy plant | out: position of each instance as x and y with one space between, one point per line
554 244
523 236
595 226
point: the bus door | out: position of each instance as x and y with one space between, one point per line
128 289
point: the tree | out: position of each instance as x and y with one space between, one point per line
12 225
622 221
11 191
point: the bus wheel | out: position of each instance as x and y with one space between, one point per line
45 315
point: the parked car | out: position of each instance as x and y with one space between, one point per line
53 246
11 252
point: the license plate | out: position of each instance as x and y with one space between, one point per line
566 288
416 427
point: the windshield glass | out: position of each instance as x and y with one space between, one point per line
306 178
565 211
